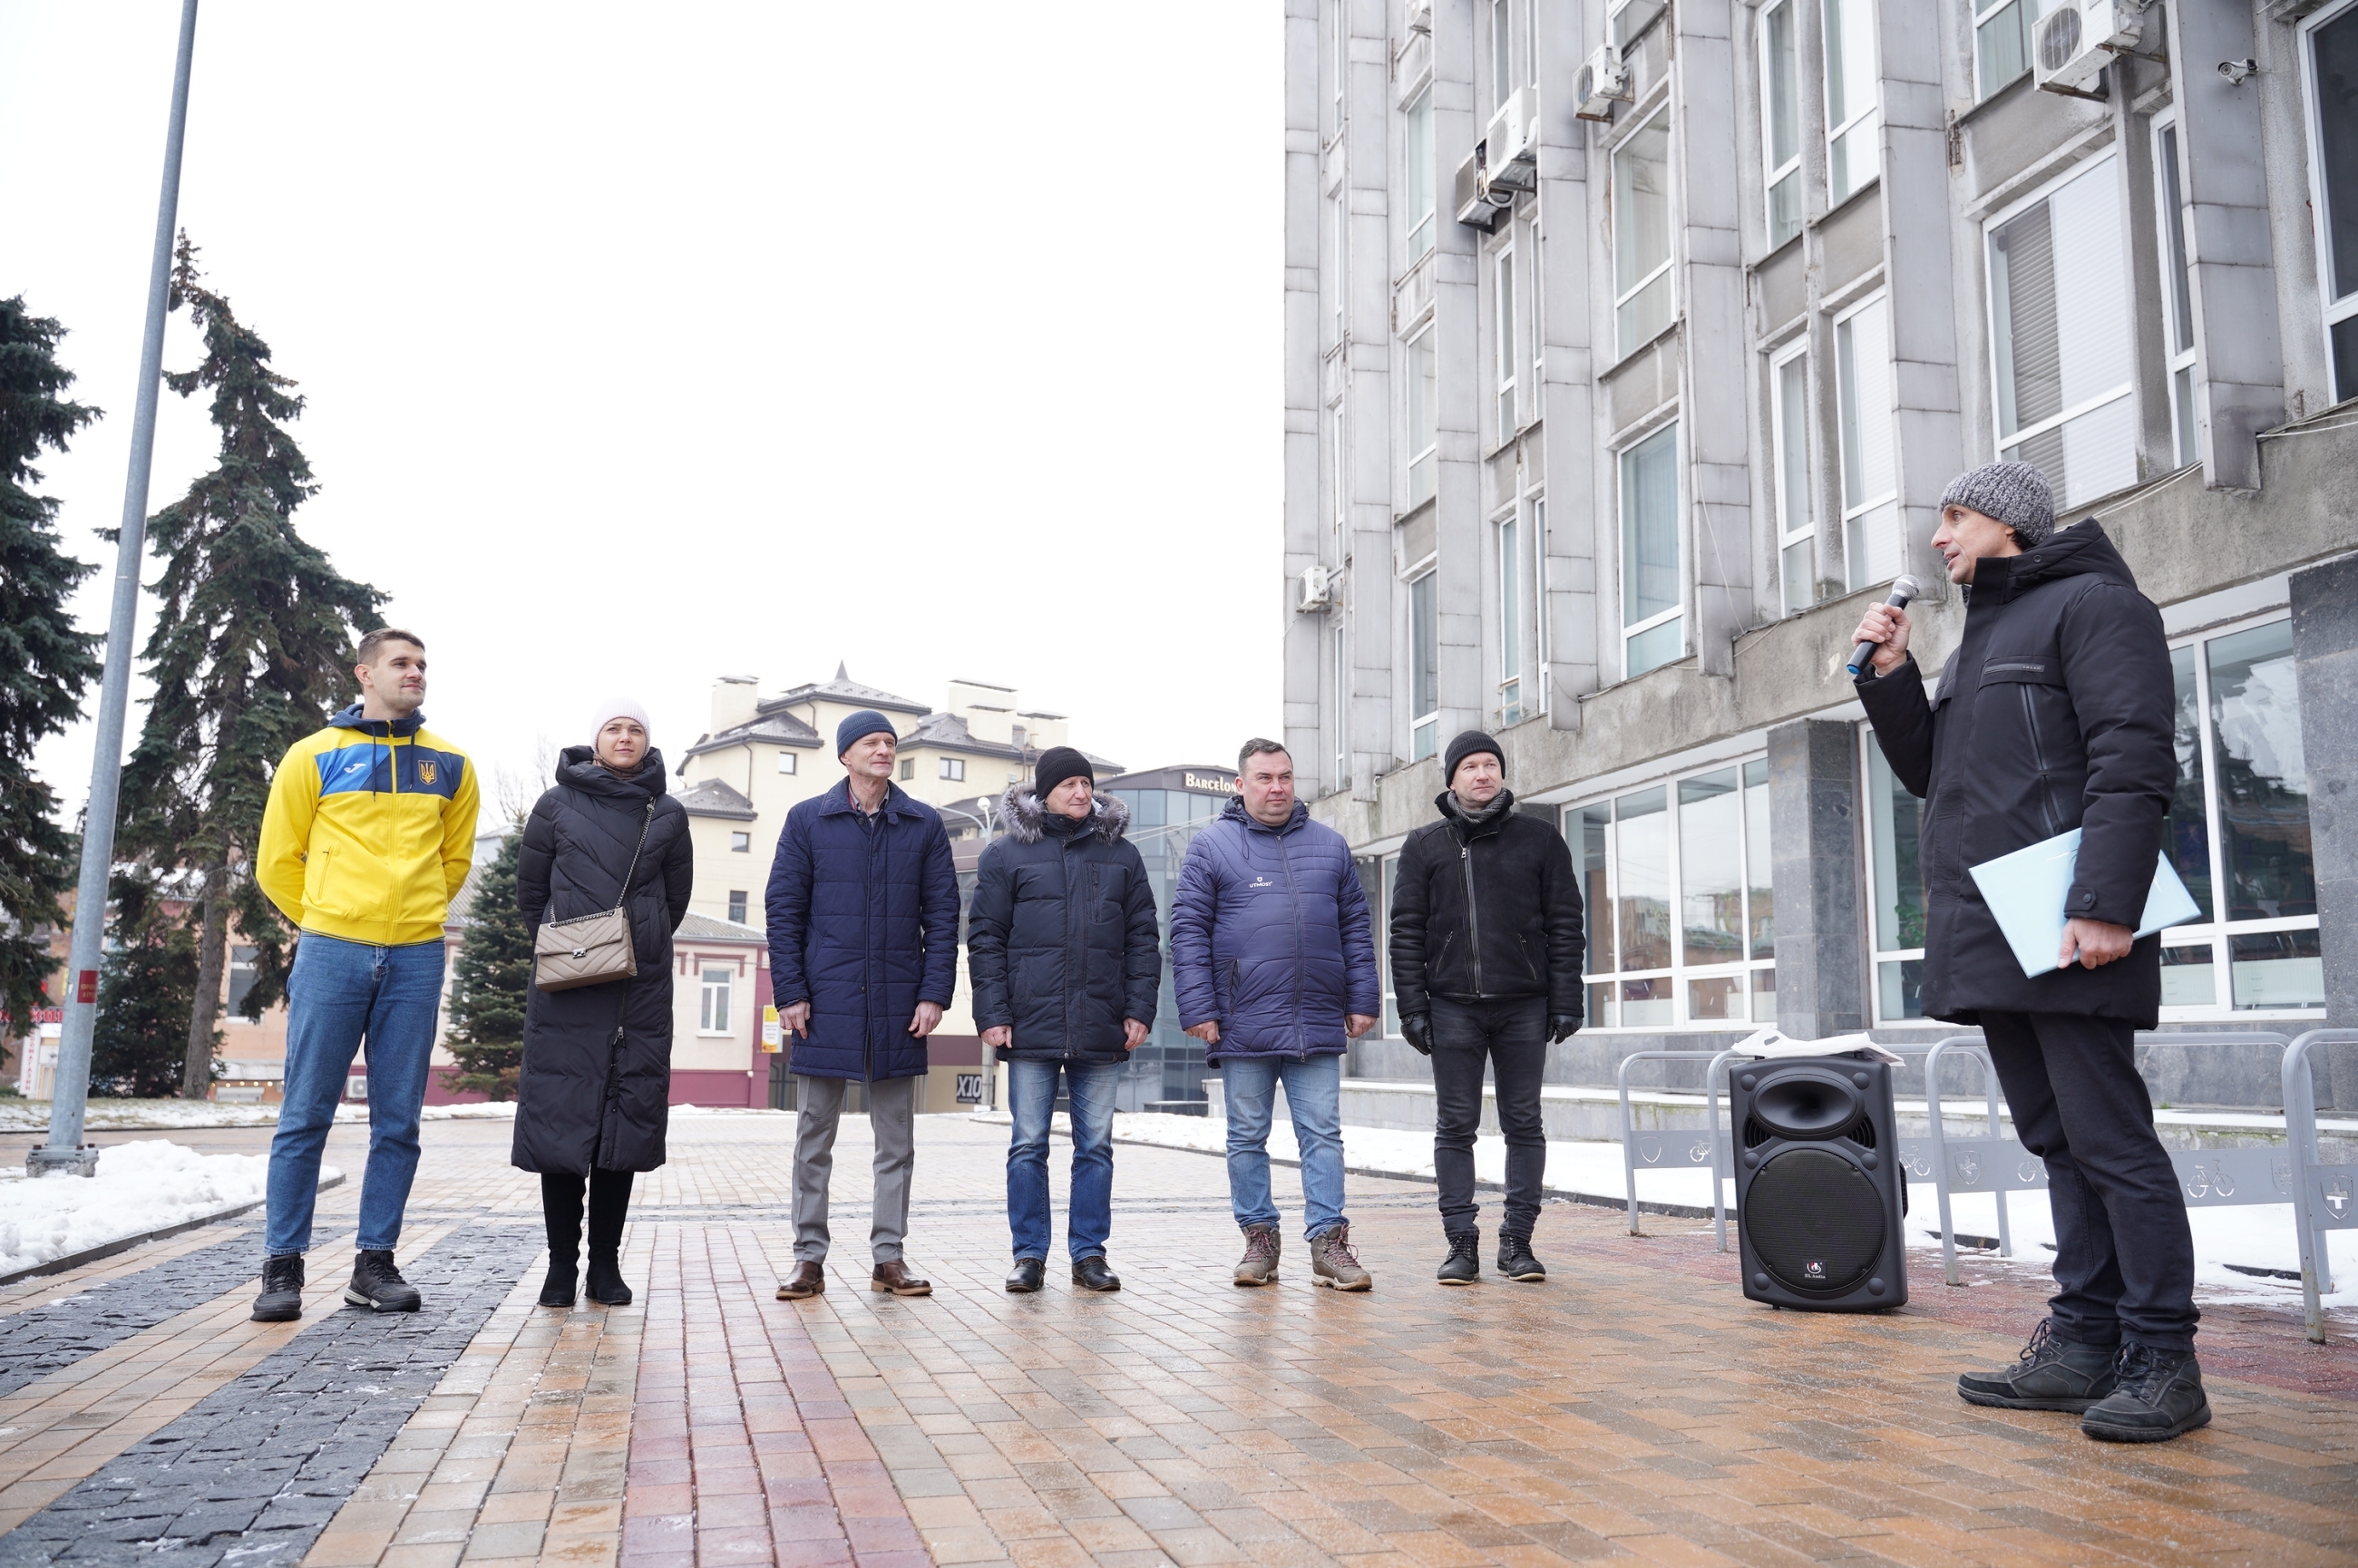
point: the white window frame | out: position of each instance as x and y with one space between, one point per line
1670 238
1503 81
1859 118
787 762
1338 67
1990 13
1624 19
1423 461
1782 461
1424 729
1338 269
741 843
953 769
1772 172
2177 264
1536 701
1417 169
1633 630
740 900
710 990
2336 311
1679 972
1506 343
1507 567
1339 656
1855 514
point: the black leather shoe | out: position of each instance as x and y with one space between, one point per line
606 1286
2160 1397
378 1285
281 1300
2052 1374
1463 1264
1091 1273
556 1291
1515 1260
1024 1278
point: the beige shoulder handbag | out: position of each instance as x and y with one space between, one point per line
594 948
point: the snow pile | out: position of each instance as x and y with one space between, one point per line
114 1115
140 1187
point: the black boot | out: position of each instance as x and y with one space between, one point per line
560 1210
2052 1374
378 1285
1463 1264
609 1205
2160 1397
281 1300
606 1286
1515 1260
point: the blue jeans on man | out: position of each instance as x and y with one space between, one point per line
340 995
1032 1098
1313 1093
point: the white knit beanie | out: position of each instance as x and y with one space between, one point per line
615 707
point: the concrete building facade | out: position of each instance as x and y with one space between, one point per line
1629 349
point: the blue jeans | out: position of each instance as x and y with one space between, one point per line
1314 1093
339 994
1031 1097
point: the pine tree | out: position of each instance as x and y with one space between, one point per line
45 662
489 981
251 648
146 984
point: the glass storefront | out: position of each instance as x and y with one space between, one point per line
1168 806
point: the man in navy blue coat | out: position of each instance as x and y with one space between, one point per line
1273 958
863 908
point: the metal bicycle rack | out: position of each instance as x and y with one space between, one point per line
1653 1150
2324 1198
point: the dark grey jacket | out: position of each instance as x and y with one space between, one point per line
1487 905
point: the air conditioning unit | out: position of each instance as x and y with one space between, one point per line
1321 590
1420 16
1476 204
1510 146
2070 46
1602 83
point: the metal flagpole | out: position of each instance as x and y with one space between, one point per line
64 1153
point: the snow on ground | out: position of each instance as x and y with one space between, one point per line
175 1115
140 1187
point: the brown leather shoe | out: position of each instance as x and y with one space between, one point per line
808 1279
896 1277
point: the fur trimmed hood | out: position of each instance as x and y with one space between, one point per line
1109 818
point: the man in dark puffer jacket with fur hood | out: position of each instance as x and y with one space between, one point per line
1065 958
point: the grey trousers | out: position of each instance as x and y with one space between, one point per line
891 1116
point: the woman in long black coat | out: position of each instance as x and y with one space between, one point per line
595 1091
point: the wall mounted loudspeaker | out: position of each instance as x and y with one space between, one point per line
1820 1192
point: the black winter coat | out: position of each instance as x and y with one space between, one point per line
588 1098
2057 711
1486 906
1061 940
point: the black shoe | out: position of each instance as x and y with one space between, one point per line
1463 1264
606 1287
2160 1397
1024 1278
2052 1374
1092 1273
281 1300
556 1291
378 1285
1515 1260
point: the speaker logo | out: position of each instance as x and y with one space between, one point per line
1814 1270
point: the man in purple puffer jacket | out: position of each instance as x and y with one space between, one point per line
1273 957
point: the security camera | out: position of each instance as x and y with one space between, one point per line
2235 71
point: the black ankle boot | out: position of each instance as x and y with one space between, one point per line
556 1291
1463 1264
1515 1260
606 1287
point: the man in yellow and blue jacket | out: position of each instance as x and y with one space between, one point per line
368 834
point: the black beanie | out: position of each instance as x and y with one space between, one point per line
1058 764
1471 743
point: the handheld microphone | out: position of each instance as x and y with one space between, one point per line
1903 589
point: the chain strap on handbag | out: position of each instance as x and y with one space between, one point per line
594 948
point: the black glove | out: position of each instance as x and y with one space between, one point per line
1561 1027
1417 1029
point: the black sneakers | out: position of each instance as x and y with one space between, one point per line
2052 1374
1024 1278
281 1300
378 1285
1094 1273
2159 1396
1515 1260
1463 1264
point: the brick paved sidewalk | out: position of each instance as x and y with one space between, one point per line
1633 1406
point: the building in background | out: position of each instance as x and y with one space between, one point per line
1629 349
1167 807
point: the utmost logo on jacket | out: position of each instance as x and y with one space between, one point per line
426 772
1261 882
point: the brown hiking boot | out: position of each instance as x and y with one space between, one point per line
809 1279
1334 1264
1259 1265
896 1277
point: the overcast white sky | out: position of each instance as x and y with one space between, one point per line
648 343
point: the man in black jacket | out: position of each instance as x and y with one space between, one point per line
2057 712
1064 956
1485 944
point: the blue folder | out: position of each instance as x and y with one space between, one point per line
2027 888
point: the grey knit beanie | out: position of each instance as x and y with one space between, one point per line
2016 494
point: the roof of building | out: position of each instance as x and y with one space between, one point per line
843 689
949 732
698 927
712 798
767 727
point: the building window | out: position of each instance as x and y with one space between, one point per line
1870 474
741 843
1780 129
1339 666
712 1018
1788 430
1423 418
1502 53
737 905
2001 42
1390 885
241 976
1504 343
1642 235
1539 703
954 769
2062 339
1853 155
1681 926
2237 833
1338 265
909 768
1338 61
2330 61
1650 628
785 762
1418 180
2169 198
1510 621
1627 19
1425 659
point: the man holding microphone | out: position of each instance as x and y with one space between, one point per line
2057 712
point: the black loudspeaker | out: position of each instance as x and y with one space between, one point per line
1820 1190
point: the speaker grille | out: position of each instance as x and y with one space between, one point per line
1814 1220
1861 1132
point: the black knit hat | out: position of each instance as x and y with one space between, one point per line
1473 742
1058 764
